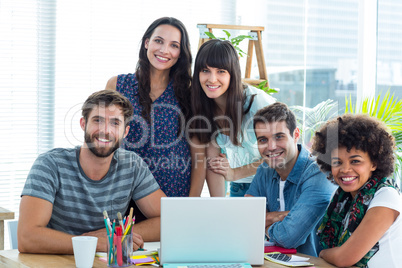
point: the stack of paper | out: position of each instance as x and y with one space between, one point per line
144 260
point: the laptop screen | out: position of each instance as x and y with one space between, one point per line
212 230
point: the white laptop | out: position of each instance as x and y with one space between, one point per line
212 230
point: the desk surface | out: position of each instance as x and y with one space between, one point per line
12 258
6 214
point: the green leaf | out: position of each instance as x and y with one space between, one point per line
262 84
227 33
348 105
210 35
241 52
270 90
240 38
235 40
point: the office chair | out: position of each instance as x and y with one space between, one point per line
12 230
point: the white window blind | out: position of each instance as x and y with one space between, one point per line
27 91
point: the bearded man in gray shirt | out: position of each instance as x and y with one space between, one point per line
67 190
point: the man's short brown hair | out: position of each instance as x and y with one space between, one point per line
107 98
276 112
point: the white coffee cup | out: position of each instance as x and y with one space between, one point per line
84 250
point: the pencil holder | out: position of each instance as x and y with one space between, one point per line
119 249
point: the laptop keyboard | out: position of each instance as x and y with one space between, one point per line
234 265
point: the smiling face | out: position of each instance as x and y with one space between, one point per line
163 47
104 130
351 170
215 82
277 147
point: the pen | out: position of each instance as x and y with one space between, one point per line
156 258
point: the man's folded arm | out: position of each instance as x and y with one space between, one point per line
302 218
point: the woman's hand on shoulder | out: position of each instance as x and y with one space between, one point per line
220 165
111 83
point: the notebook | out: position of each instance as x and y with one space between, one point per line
212 230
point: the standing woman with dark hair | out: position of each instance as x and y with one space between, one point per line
160 93
223 109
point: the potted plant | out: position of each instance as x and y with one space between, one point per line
310 119
388 109
235 40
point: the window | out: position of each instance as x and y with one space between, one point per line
52 56
27 32
389 54
389 57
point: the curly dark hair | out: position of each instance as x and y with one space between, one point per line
360 131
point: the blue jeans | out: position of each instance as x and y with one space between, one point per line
238 189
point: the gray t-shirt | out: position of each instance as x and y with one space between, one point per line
79 202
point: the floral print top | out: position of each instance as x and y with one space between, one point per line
166 152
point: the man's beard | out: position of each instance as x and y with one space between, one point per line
100 151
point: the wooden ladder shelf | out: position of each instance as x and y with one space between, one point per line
255 32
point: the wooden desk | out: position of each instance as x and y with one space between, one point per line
4 215
12 258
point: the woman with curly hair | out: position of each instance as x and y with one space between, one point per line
361 226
